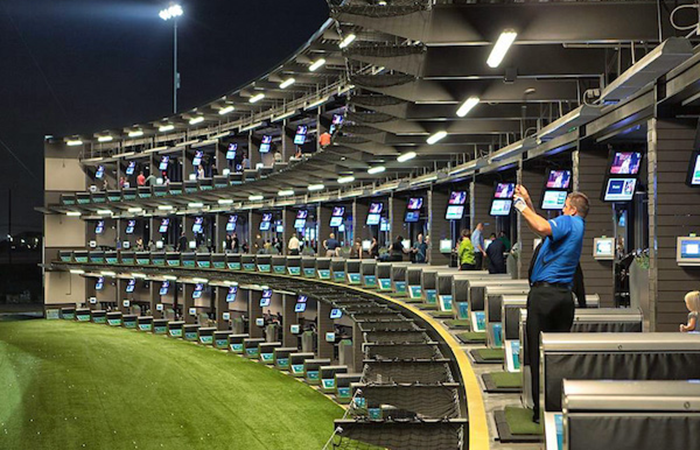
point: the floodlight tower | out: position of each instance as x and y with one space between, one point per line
173 11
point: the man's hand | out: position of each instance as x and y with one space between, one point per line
521 191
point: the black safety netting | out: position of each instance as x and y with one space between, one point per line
419 401
387 337
376 100
392 9
424 372
377 316
368 309
369 117
394 325
402 351
385 50
347 139
360 129
397 435
382 80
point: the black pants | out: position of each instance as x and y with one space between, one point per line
466 266
549 309
294 252
479 260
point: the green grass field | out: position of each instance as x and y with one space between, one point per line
65 385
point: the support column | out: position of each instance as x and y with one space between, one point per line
533 178
254 312
289 317
288 148
154 299
221 220
360 229
121 295
220 293
254 219
323 218
187 167
324 325
438 227
357 354
289 215
397 210
90 291
480 196
253 150
187 303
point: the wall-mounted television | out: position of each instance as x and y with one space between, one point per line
384 225
620 189
266 298
336 313
445 245
337 119
625 163
300 306
337 216
454 212
604 248
266 222
300 136
554 200
130 225
231 294
373 219
501 207
197 293
164 287
688 251
100 284
197 160
164 224
302 214
100 172
558 179
130 286
411 216
504 191
693 178
266 143
131 168
231 151
164 160
414 203
197 226
457 198
376 208
100 227
231 224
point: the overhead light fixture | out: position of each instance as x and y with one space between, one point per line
505 40
225 110
138 275
74 142
166 128
105 212
165 207
286 193
286 83
170 277
345 180
440 135
317 65
349 39
317 103
256 98
195 205
255 198
105 139
231 283
225 201
284 116
74 214
406 157
200 280
252 126
136 133
77 271
108 273
135 210
375 170
467 106
316 187
171 12
196 120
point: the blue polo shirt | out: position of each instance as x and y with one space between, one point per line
560 252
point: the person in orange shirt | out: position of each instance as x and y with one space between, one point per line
141 179
325 139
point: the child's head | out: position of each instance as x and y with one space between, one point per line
692 301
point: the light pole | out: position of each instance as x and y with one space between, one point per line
173 12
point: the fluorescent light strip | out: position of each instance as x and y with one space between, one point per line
135 210
77 271
255 198
74 143
74 214
284 116
137 133
108 273
467 106
138 275
406 157
317 65
316 187
196 120
166 128
505 40
286 83
286 193
104 212
349 39
440 135
226 110
165 207
200 280
376 170
345 180
225 201
195 205
170 277
105 139
256 98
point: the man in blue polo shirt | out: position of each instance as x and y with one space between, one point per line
550 303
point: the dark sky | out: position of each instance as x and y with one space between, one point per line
80 66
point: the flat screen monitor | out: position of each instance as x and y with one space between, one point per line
406 243
457 198
558 179
159 245
501 207
231 294
164 287
694 170
126 303
260 322
231 152
231 224
336 313
160 307
376 208
100 227
197 226
445 245
620 189
302 298
625 163
130 225
100 172
603 248
412 216
300 307
164 160
373 219
164 224
192 245
384 224
366 245
198 288
265 144
295 329
300 136
126 245
130 286
688 250
554 200
93 300
131 168
266 222
100 284
266 298
338 211
454 212
504 190
299 224
302 214
193 311
330 336
414 203
226 316
336 221
197 160
337 119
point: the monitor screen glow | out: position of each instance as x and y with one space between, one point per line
266 222
197 226
300 307
295 329
620 189
504 190
376 208
694 170
338 211
366 245
130 286
131 168
231 152
100 227
445 245
100 284
554 200
454 212
373 219
265 144
197 160
164 163
300 137
231 294
384 224
130 225
559 179
336 221
302 214
626 163
336 313
100 172
197 293
164 225
501 207
414 203
231 224
458 198
337 119
412 216
406 244
689 248
164 287
604 247
299 224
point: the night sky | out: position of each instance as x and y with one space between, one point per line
81 66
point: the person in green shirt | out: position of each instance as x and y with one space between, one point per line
466 252
502 236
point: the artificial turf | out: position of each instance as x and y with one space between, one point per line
520 421
507 379
68 385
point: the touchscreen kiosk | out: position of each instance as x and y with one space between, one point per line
197 226
100 172
337 216
554 200
160 307
454 212
501 207
504 190
93 300
445 245
336 313
265 144
300 221
558 179
300 136
693 178
366 245
373 219
300 307
197 160
376 208
266 298
384 224
231 294
100 284
100 227
604 248
231 224
130 225
126 303
266 222
130 286
620 189
197 293
330 336
295 329
231 152
164 160
131 168
260 321
193 311
164 223
412 216
688 251
625 163
164 287
192 245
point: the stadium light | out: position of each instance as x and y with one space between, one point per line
317 65
226 110
286 193
255 198
316 187
346 180
136 133
286 83
505 40
173 12
406 157
166 128
196 120
375 170
107 138
349 39
256 98
440 135
467 106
